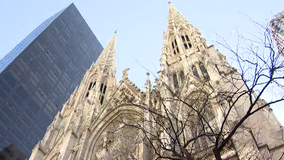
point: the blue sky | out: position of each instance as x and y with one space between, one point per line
140 25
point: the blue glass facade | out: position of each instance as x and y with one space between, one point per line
8 58
39 75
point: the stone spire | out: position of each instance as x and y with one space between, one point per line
106 61
180 40
175 19
102 71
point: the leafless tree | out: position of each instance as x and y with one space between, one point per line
260 69
186 126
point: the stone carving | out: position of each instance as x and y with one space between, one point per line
125 75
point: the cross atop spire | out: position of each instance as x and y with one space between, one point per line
106 61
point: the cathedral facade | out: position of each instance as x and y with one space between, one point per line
175 118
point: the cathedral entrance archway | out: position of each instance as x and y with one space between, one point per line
114 137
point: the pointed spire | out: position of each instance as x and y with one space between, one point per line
148 88
178 26
106 61
175 18
148 82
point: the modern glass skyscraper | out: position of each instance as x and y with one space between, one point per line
39 75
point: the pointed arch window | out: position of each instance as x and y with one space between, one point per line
91 85
194 71
186 41
102 100
175 47
103 88
183 40
209 115
182 76
175 81
198 129
194 130
104 91
200 125
204 71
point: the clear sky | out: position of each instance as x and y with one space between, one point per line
140 26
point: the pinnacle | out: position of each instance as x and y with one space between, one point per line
148 76
174 16
106 60
172 8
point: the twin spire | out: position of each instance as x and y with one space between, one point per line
106 61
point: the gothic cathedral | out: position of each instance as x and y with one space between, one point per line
107 119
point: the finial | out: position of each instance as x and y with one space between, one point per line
115 31
169 2
148 76
125 75
148 82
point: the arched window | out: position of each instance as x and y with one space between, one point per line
175 46
194 71
175 81
91 85
103 88
186 41
204 71
181 76
194 132
155 104
200 129
198 125
102 99
104 91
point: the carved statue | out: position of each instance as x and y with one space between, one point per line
125 75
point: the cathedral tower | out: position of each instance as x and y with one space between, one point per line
184 51
190 67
